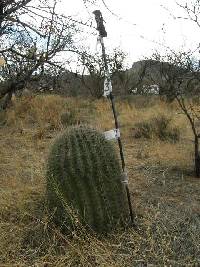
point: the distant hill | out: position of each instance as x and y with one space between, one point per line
144 76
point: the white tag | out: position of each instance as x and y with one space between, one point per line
124 177
107 87
112 134
98 42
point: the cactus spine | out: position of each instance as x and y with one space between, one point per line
84 176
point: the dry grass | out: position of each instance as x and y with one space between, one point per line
165 193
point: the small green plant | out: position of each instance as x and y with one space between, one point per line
158 127
84 181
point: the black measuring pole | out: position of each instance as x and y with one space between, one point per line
111 97
103 33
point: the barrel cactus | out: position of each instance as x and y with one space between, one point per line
84 181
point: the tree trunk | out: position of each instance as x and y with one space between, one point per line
197 157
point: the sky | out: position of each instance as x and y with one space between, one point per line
138 27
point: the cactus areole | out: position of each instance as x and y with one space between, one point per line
84 181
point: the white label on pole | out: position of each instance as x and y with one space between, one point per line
124 177
107 87
98 42
112 134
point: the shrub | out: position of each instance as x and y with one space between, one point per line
84 181
158 127
164 129
142 129
68 118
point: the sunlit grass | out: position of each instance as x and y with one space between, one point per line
164 191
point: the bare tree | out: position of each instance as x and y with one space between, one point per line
192 11
189 86
93 66
181 75
31 37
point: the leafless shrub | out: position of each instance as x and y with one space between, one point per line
159 127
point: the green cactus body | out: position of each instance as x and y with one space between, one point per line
84 181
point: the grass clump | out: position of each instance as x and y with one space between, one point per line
160 127
68 118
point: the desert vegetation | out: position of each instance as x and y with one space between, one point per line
164 190
63 192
